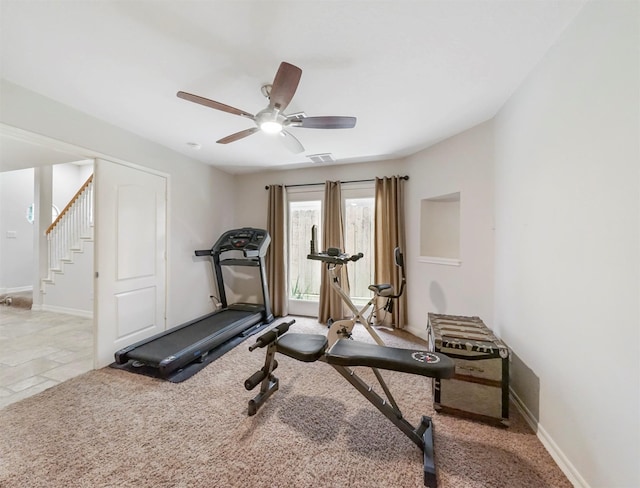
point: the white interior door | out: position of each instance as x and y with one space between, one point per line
130 257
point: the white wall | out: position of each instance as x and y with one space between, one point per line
464 164
460 164
199 195
16 233
253 211
72 291
567 244
68 178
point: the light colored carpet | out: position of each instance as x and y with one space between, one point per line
111 428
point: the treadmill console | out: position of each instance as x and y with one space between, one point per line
252 242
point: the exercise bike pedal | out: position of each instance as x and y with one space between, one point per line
345 333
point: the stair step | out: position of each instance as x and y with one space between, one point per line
70 236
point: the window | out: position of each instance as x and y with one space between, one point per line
358 237
304 274
305 210
31 213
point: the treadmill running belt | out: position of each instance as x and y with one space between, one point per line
186 372
172 343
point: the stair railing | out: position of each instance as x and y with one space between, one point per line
74 223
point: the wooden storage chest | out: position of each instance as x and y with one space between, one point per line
480 387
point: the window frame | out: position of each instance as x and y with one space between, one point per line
352 191
309 308
316 193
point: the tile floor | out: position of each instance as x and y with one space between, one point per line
38 350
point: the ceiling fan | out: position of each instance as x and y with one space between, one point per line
272 120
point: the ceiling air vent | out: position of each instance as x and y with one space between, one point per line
322 158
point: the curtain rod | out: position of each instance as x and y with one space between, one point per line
351 181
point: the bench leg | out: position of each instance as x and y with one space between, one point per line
422 436
270 388
268 382
429 460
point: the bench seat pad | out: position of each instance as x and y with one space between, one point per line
303 347
346 352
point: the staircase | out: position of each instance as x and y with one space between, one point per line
68 234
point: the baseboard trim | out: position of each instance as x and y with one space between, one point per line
417 331
69 311
18 289
547 441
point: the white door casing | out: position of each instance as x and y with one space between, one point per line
130 257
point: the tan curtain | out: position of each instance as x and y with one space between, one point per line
389 233
331 305
276 261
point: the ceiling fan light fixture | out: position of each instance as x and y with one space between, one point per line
271 127
270 121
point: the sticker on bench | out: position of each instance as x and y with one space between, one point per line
425 357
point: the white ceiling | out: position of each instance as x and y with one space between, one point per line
412 72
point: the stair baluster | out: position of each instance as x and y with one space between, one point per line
69 229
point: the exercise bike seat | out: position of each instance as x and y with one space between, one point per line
386 289
346 352
303 347
382 290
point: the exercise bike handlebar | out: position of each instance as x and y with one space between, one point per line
337 258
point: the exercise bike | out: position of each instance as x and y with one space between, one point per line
341 329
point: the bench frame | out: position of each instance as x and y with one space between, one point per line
421 436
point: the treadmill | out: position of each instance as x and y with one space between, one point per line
180 346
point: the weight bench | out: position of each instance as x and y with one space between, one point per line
344 354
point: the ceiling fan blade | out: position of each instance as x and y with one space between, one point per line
284 86
291 143
238 135
329 122
213 104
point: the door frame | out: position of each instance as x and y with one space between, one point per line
85 153
102 326
306 308
358 189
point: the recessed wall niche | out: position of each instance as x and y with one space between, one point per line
440 229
